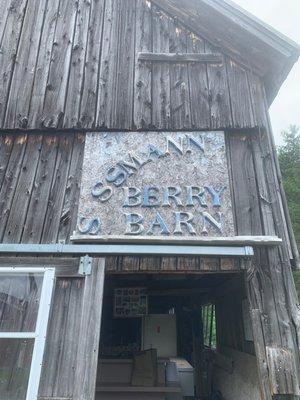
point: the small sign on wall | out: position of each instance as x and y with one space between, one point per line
155 184
130 302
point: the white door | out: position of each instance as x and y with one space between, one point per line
159 332
25 299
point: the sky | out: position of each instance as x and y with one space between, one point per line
283 15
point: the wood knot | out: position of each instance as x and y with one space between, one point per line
24 122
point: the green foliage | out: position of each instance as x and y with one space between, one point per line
209 325
289 159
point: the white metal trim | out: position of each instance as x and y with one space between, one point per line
128 249
18 335
21 270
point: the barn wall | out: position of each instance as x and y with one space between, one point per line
269 281
77 66
39 186
42 172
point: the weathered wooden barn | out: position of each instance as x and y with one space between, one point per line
146 245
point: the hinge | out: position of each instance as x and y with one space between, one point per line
85 265
249 251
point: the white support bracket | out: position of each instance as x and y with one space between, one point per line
85 265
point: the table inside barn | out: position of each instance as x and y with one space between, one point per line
114 382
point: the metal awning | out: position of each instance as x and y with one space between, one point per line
221 247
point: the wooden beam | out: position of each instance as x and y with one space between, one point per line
89 333
205 240
181 57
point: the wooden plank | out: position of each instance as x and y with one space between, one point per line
4 11
57 192
25 64
244 186
139 389
69 215
91 68
268 144
150 264
111 264
275 195
9 48
19 206
264 195
10 180
210 264
78 55
265 280
61 348
43 63
143 70
130 263
127 264
260 289
126 64
218 93
89 334
240 98
228 264
67 361
259 332
108 67
161 112
6 145
198 86
283 310
37 208
187 264
282 369
56 89
169 263
257 99
181 57
54 337
179 81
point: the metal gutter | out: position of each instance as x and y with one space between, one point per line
125 249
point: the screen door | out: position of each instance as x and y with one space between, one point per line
25 299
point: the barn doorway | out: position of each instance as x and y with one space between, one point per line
176 336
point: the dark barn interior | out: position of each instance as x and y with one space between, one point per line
209 338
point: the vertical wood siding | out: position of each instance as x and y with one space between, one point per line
40 177
74 64
271 291
73 337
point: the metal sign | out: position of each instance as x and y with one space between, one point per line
155 184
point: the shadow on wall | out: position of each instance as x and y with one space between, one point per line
242 383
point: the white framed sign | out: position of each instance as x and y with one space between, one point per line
155 184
